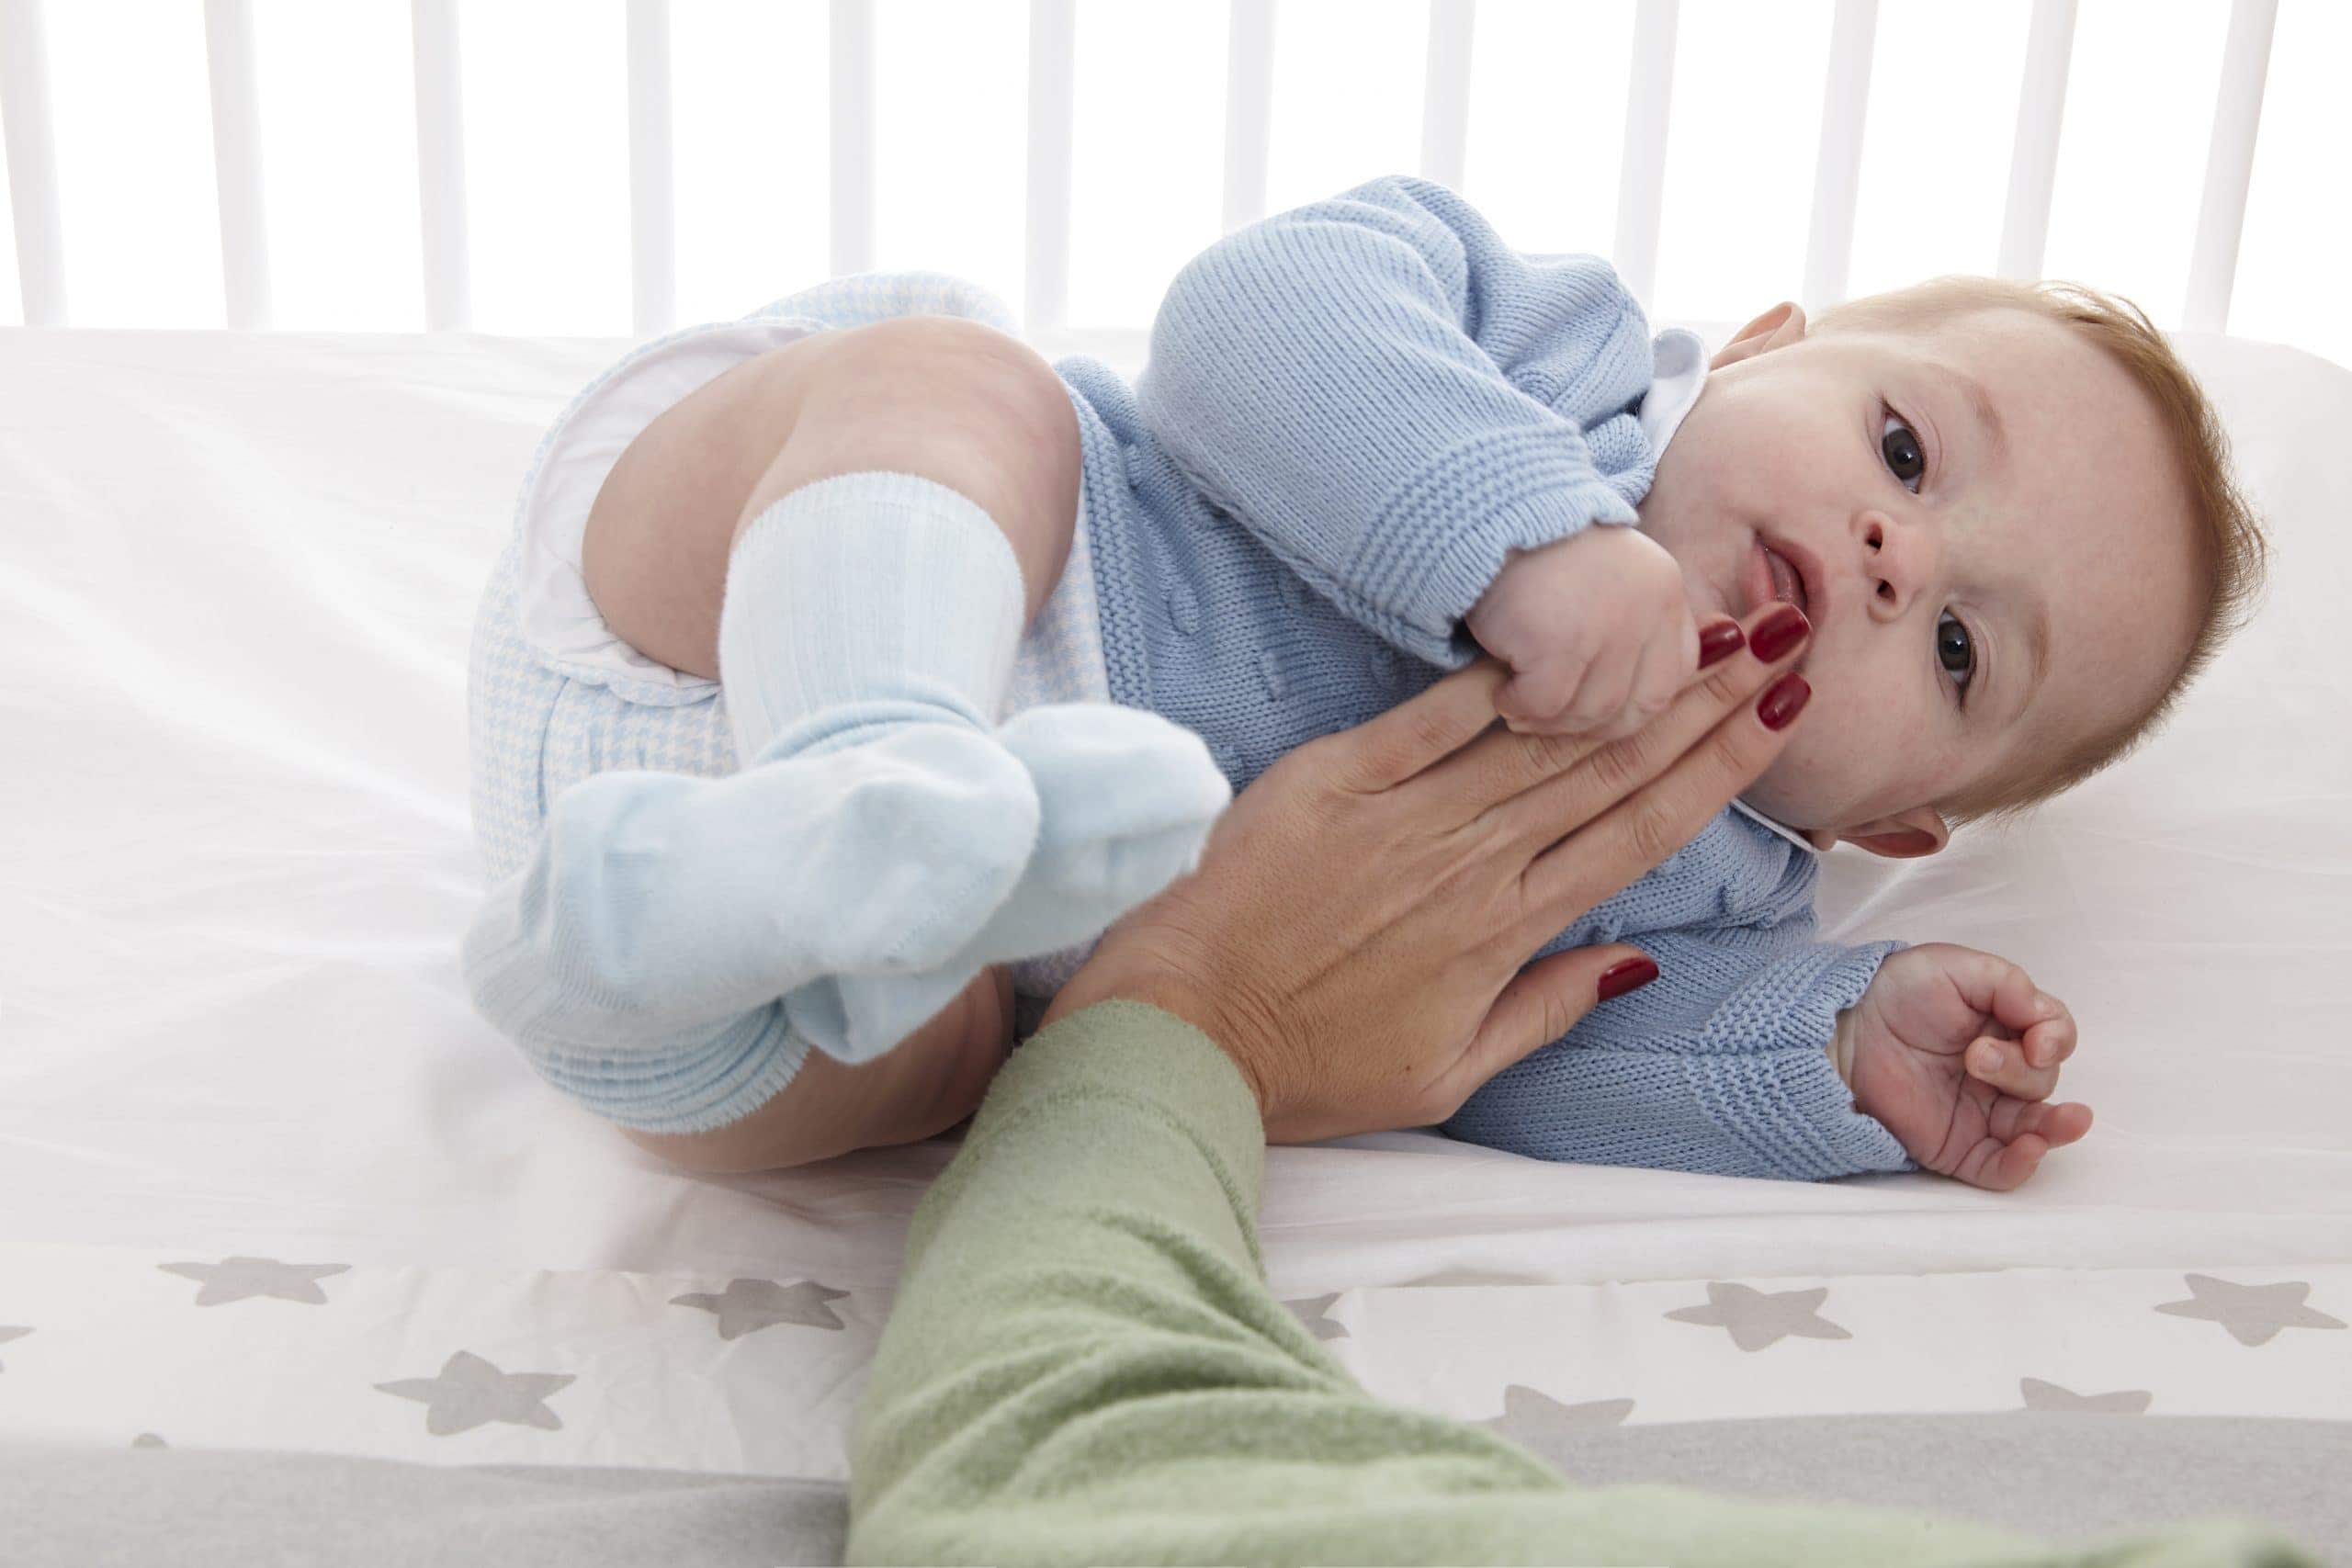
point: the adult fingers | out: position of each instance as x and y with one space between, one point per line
1555 806
1417 733
1656 817
1542 1002
1499 767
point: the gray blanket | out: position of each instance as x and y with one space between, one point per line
2059 1475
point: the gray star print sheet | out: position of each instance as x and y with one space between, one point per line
279 1208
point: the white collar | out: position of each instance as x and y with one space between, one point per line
1791 834
1678 371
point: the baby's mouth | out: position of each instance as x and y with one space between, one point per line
1773 576
1786 582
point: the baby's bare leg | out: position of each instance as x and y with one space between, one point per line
1119 800
946 399
929 1082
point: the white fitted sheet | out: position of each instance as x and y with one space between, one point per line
238 578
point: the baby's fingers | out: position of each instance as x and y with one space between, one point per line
2051 1042
2021 1133
2002 1064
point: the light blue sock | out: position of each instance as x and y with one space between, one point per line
881 843
861 602
858 602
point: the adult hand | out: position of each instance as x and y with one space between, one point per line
1356 934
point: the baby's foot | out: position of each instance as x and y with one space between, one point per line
658 899
1127 799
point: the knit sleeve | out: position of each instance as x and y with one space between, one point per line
1719 1065
1392 400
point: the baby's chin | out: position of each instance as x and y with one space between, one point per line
1791 796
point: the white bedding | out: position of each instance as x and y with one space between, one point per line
238 576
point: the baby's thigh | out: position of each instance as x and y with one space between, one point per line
950 400
655 553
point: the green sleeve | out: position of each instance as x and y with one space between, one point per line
1083 1365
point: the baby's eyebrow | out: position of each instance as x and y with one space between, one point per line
2037 642
1989 427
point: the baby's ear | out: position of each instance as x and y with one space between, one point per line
1776 328
1906 835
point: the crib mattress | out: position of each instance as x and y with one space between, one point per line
275 1197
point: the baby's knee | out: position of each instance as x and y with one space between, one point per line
952 400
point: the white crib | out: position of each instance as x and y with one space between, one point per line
25 93
266 1181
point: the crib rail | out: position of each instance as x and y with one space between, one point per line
25 115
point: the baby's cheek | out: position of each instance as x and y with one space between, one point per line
1847 757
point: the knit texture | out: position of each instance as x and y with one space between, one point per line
1083 1364
858 595
1352 411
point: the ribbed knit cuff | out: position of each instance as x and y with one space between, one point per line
1796 1117
1439 543
1138 1051
868 588
688 1085
1792 1107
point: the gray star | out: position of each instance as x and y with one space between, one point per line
1757 1318
748 1305
2039 1395
2255 1314
470 1392
1314 1313
1538 1421
234 1278
149 1440
9 1333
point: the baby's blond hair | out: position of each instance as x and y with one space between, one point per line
2231 548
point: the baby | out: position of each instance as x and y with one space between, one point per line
1371 441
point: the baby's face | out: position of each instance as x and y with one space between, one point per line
1986 580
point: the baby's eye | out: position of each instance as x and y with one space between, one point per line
1903 453
1955 649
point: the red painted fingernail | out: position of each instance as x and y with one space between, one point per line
1780 632
1720 640
1782 701
1630 975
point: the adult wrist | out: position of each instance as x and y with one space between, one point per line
1162 986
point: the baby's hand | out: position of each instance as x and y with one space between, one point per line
1955 1053
1595 629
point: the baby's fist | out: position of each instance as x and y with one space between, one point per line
1597 630
1956 1054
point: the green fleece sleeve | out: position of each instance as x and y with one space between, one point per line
1085 1366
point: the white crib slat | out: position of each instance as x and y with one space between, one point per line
851 80
236 161
441 166
1641 180
2229 166
653 229
1053 107
1845 109
1249 110
32 161
2033 156
1445 95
